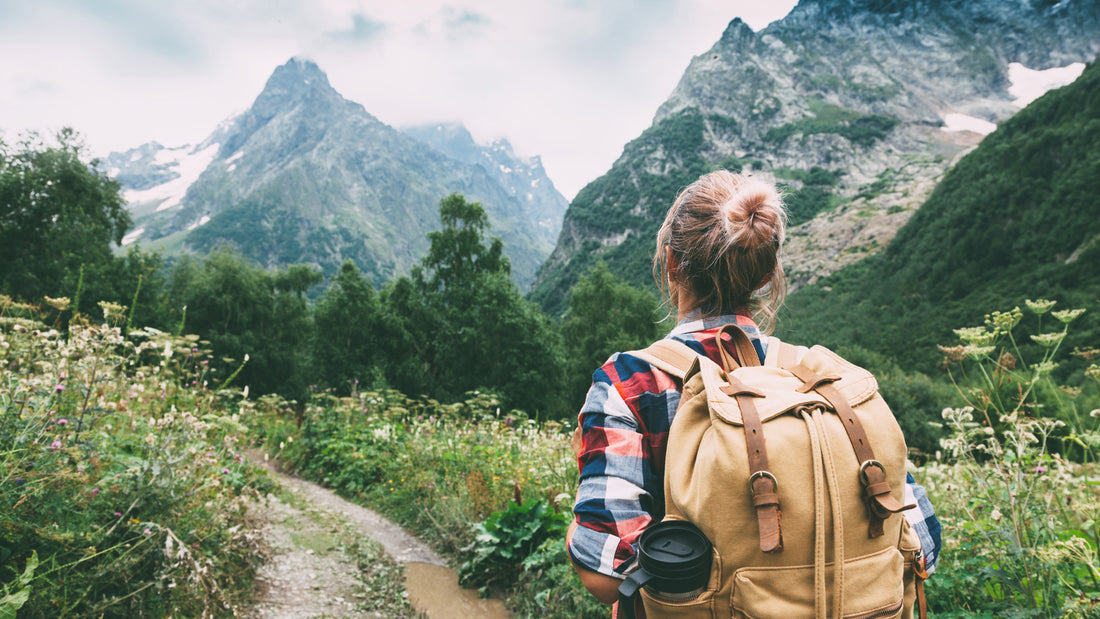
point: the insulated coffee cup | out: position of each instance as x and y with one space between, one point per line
674 559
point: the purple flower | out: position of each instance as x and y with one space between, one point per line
148 532
225 471
118 514
59 387
55 445
62 422
95 490
1040 469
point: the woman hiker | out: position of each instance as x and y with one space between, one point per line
717 263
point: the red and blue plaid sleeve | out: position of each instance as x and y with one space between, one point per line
924 522
624 424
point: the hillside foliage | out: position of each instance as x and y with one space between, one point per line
1017 218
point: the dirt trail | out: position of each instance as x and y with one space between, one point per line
311 580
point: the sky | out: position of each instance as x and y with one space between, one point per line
569 80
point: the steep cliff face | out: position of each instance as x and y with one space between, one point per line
857 107
305 175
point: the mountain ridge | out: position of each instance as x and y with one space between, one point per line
865 96
305 175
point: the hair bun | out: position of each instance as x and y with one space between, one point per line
754 215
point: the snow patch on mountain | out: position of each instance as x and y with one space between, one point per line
962 122
132 236
1028 84
188 164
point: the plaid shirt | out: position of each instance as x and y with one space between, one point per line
625 422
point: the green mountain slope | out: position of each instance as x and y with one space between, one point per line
1018 218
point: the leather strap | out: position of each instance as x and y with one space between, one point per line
762 483
921 576
746 352
877 491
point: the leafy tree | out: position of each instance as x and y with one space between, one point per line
605 316
236 306
457 257
349 327
461 324
58 213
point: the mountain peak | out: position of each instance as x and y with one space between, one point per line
297 75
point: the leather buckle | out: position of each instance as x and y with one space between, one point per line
759 474
863 470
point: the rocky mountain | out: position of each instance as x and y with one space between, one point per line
857 107
525 179
304 175
1017 218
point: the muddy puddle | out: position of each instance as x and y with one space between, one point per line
434 591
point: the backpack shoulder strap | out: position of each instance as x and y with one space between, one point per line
672 357
782 355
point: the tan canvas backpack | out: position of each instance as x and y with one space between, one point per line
795 471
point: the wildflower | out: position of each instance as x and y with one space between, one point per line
55 445
95 491
118 514
1039 470
978 352
975 335
1068 316
62 422
1041 306
1003 322
59 387
1046 340
1045 367
148 532
225 471
59 303
995 515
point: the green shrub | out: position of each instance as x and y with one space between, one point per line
506 539
122 472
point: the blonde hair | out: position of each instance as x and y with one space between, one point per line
725 231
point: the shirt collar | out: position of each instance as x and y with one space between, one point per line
695 321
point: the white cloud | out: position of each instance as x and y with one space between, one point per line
570 80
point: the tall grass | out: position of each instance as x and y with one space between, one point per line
120 472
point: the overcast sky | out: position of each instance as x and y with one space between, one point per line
570 80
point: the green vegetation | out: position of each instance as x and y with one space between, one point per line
1016 487
1015 219
121 473
861 129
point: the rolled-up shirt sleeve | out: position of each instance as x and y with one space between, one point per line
615 498
924 522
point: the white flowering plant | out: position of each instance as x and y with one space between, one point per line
122 472
1015 485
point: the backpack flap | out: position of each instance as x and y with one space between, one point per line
773 390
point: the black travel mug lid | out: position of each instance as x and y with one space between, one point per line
677 554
